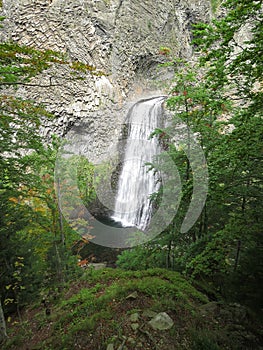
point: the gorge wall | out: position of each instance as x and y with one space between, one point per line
121 38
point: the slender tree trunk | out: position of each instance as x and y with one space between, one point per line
203 223
60 274
168 259
205 220
239 243
188 140
61 228
62 235
59 269
188 167
3 334
237 254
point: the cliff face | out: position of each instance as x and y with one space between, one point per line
122 38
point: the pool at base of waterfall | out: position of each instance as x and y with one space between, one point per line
117 223
114 222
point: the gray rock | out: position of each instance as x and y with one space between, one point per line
131 340
121 38
133 295
97 266
209 308
149 313
161 321
134 317
110 347
135 326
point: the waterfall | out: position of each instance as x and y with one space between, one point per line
133 206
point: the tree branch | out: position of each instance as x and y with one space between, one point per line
28 84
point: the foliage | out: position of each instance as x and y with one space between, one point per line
35 245
232 61
218 99
18 64
236 164
141 258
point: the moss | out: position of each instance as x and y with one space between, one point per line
96 309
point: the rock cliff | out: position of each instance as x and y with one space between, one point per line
121 38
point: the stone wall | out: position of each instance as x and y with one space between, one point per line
121 38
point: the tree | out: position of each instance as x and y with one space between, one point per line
19 121
237 63
196 114
27 199
219 98
3 334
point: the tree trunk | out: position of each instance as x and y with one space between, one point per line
168 256
3 334
60 214
237 254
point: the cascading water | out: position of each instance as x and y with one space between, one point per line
133 205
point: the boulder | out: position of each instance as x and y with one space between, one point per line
97 266
149 313
110 347
135 326
133 295
134 317
161 321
